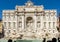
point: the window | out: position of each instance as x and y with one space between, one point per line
4 24
9 15
13 16
38 17
53 18
38 24
44 24
20 17
9 31
44 18
53 24
14 30
9 24
5 17
49 17
20 24
49 30
14 24
49 24
47 14
53 31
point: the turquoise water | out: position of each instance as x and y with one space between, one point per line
28 40
1 40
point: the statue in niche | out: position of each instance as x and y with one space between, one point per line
29 21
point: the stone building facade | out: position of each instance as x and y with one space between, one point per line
30 22
58 25
0 26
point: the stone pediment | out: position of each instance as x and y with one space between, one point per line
29 7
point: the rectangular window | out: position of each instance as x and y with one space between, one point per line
49 18
13 24
4 24
20 24
9 24
38 18
13 16
44 18
20 17
53 18
49 24
9 31
53 24
44 24
9 16
38 25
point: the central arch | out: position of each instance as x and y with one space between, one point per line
29 20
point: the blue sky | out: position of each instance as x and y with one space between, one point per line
10 4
